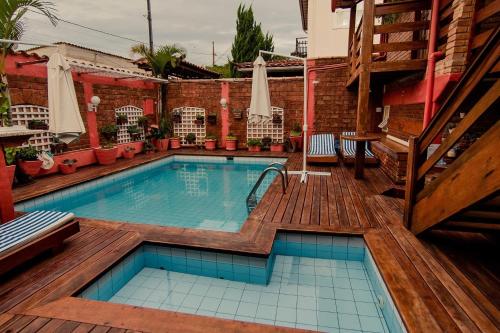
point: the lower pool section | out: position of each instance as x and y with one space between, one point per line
323 283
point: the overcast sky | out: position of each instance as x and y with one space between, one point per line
192 24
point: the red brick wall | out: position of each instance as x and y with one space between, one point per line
335 106
406 120
286 93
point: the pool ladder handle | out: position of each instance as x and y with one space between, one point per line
284 182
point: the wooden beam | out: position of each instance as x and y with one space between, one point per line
472 177
487 11
400 65
411 181
486 101
468 226
479 39
400 46
401 27
401 7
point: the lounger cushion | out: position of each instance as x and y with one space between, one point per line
349 147
322 145
30 226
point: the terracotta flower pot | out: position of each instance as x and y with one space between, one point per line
106 156
231 144
277 147
161 144
297 140
11 172
175 143
254 149
67 169
128 154
210 144
30 168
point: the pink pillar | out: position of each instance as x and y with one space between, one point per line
88 92
6 198
224 113
311 77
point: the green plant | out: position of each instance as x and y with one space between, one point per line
210 137
249 38
12 27
200 117
190 138
254 142
108 132
133 129
143 121
148 146
231 136
28 154
296 130
121 119
10 155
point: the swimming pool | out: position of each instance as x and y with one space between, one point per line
317 282
182 191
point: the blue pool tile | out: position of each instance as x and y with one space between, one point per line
348 307
286 315
328 319
247 309
348 321
371 324
233 294
266 312
228 307
192 301
269 299
307 317
367 309
210 303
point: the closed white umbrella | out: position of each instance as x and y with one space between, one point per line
65 121
260 104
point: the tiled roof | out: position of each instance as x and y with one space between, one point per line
272 64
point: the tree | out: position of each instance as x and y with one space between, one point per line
12 27
249 38
161 61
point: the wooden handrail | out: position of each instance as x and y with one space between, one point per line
401 7
400 46
401 27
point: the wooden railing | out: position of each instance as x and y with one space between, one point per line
435 193
386 21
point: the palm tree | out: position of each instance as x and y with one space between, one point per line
161 61
12 27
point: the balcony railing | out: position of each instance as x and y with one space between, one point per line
300 47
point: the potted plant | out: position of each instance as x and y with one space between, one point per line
37 125
231 142
134 132
161 133
254 145
57 147
210 142
277 147
190 138
121 119
143 122
200 120
10 159
177 116
277 118
148 148
128 152
237 114
68 166
106 154
28 161
212 119
296 135
175 142
266 142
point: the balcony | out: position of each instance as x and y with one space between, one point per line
300 47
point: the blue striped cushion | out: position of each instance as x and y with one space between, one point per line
322 144
349 147
30 225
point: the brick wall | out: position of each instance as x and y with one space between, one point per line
33 91
406 120
286 93
335 106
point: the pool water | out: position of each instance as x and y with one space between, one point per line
324 283
188 192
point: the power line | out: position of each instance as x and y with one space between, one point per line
92 29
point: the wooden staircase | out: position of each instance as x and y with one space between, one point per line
464 194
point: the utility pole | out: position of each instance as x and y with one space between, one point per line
213 53
150 26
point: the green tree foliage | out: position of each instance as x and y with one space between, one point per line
224 70
12 27
249 38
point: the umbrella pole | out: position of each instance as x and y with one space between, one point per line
303 177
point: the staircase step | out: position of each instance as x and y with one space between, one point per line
482 215
469 226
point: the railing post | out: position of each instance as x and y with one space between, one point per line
351 39
363 117
411 179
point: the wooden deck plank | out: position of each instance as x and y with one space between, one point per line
35 326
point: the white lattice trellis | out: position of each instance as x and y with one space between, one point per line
187 124
265 129
133 113
22 114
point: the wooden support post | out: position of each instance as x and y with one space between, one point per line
359 162
411 179
363 118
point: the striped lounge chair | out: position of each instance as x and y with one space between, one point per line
322 149
348 151
31 234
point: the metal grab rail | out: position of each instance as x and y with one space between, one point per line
283 166
252 198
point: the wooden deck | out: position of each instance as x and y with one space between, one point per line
435 287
